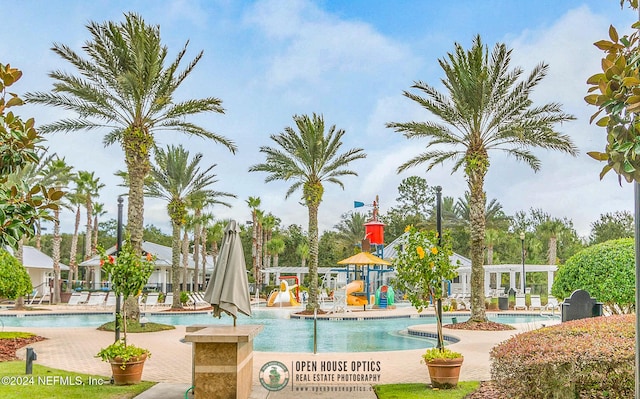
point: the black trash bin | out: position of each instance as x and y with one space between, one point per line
503 303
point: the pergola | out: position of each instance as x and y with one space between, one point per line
464 274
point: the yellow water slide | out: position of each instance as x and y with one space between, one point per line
283 297
353 287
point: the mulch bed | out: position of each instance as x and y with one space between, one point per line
187 309
310 312
487 390
9 346
476 326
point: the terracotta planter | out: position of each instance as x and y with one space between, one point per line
444 373
130 373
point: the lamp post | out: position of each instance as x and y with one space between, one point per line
118 246
439 230
523 277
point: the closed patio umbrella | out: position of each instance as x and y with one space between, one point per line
228 288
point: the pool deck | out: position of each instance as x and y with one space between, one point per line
170 365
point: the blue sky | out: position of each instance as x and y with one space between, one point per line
350 61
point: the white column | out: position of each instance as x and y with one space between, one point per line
549 281
487 282
512 280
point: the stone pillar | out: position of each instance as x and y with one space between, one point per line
222 360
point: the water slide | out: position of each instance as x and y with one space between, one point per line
284 296
385 297
356 300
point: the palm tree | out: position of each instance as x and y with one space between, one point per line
269 222
75 199
50 171
89 187
488 107
309 158
125 86
98 210
494 216
184 252
275 247
303 252
254 205
551 228
176 178
62 170
351 229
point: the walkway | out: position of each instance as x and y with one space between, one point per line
170 364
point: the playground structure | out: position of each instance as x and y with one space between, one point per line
356 295
385 297
283 296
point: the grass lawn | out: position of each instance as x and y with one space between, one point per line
51 383
424 391
136 327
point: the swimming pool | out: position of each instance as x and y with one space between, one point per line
282 334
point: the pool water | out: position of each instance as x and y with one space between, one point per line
282 334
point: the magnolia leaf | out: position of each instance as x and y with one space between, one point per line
594 79
633 107
603 45
631 81
591 99
603 122
598 156
604 171
613 34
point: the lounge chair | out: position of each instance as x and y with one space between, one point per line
552 304
520 303
535 303
152 300
196 299
78 298
168 301
45 298
34 296
96 299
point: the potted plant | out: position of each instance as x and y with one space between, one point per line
129 273
422 265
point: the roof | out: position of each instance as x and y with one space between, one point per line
390 253
32 258
298 269
162 253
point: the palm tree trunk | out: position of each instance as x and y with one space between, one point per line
56 256
20 256
254 247
87 237
259 253
489 254
73 263
196 250
203 238
94 242
477 223
175 266
553 250
185 260
136 144
38 235
313 257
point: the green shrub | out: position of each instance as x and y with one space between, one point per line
606 271
588 358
